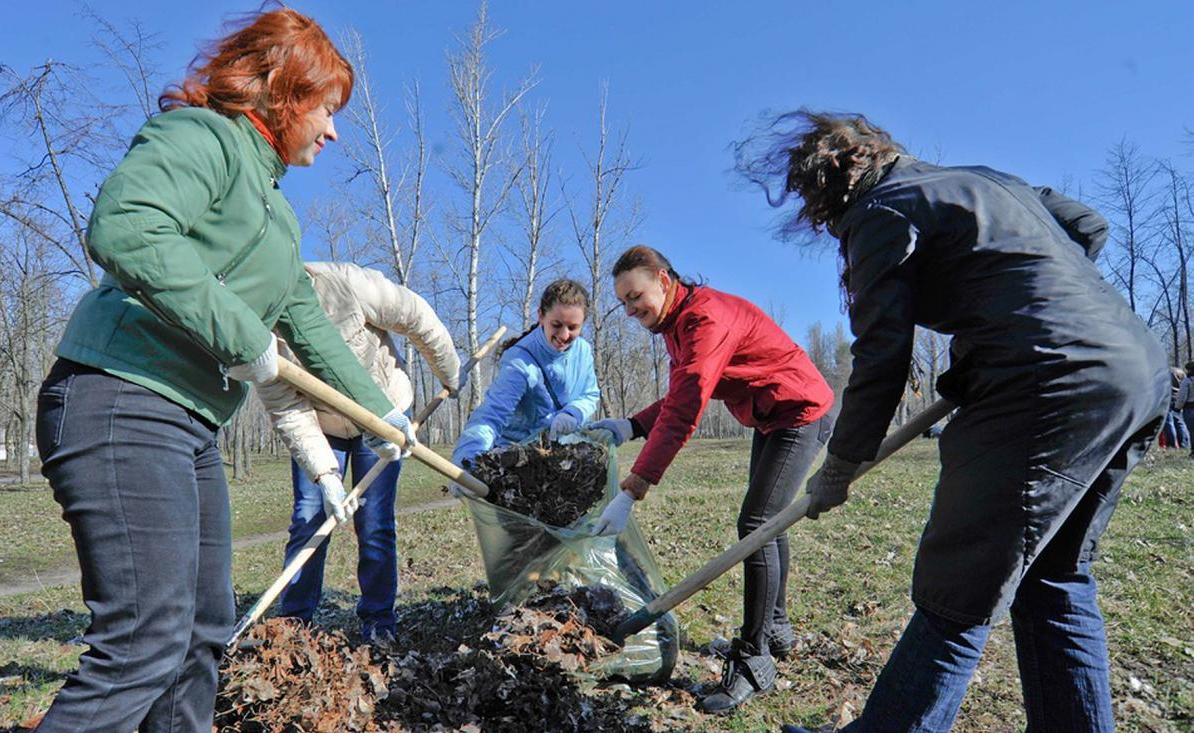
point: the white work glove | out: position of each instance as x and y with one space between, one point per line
619 427
830 486
562 424
261 370
333 498
386 449
613 519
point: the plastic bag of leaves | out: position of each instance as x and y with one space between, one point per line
519 551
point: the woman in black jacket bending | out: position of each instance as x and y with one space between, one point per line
1060 387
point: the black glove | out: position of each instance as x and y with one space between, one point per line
830 486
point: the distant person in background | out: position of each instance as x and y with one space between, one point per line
545 380
1176 434
1060 388
1185 402
366 307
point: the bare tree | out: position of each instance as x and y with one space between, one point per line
534 212
131 52
370 151
1125 186
607 169
1172 216
50 105
479 127
30 322
335 226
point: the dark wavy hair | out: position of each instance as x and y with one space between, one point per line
557 292
822 157
827 159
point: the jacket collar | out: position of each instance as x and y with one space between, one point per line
265 152
684 293
536 341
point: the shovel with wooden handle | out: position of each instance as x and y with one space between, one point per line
308 550
773 527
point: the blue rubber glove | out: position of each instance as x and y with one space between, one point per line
619 427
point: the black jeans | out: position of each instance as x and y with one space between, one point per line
779 462
141 482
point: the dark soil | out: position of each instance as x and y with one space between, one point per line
553 483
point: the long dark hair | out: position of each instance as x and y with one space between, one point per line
827 159
558 292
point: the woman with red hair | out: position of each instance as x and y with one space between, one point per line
201 255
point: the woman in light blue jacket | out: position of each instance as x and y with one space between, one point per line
545 379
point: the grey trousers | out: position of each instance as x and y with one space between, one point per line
779 462
141 482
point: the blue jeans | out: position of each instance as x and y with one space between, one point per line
141 482
1060 645
377 561
1188 417
1177 434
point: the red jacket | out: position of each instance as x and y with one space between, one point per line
725 347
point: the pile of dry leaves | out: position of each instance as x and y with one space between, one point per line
454 667
551 482
288 677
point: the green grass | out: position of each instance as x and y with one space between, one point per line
847 592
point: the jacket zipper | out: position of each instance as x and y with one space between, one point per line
243 255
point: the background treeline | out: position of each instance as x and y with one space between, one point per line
477 225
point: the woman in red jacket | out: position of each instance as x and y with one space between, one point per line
724 347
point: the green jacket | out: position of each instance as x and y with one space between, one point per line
201 253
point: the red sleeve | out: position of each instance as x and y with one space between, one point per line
647 416
706 347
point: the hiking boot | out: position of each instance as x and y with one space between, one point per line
746 674
781 639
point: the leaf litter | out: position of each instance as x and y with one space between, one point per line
457 664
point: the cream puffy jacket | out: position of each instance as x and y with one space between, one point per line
364 305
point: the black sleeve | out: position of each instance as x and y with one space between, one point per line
880 246
1083 224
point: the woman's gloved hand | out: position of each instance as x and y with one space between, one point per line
261 370
830 486
333 498
562 424
386 449
617 513
619 427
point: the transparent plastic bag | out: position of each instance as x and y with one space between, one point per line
519 551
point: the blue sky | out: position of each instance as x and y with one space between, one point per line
1038 89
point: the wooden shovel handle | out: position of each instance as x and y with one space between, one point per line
308 384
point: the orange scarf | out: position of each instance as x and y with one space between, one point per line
268 134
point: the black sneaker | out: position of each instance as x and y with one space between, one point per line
746 674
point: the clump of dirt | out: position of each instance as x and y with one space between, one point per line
552 482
